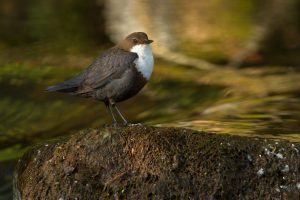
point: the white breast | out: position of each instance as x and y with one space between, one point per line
144 62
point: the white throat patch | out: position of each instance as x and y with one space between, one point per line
144 63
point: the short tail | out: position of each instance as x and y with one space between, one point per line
61 88
68 86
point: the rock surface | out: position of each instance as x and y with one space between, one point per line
141 162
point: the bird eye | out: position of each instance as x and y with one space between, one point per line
134 40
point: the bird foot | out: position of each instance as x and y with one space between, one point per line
113 125
137 124
126 124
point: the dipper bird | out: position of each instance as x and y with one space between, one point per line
116 75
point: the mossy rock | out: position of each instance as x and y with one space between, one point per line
141 162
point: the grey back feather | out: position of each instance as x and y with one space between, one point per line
110 65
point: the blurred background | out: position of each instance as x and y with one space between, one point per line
224 66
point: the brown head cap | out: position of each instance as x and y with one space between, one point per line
134 39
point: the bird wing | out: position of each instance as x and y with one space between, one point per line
110 65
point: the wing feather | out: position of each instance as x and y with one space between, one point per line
110 65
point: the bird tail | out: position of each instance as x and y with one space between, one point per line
61 87
68 86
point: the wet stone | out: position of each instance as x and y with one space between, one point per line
140 162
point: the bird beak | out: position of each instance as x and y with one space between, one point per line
148 41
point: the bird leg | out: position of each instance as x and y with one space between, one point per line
108 106
120 114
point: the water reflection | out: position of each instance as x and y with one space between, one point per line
6 174
271 117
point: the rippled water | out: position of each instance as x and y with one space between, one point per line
263 102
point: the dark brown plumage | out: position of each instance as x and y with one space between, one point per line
114 76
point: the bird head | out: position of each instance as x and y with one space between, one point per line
133 39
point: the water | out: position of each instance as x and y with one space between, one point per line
263 102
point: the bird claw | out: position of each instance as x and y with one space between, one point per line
137 124
115 124
126 123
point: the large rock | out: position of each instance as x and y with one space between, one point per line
141 162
